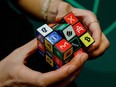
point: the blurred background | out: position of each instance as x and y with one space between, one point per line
100 72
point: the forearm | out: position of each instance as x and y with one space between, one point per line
32 6
42 9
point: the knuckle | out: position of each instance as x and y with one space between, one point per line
90 13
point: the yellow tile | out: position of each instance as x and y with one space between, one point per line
68 53
87 39
49 60
48 45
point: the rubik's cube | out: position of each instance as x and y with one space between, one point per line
59 43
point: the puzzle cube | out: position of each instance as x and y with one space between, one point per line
59 43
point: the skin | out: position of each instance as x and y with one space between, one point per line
14 73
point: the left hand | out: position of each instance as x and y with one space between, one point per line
89 20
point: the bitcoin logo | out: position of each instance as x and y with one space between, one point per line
87 39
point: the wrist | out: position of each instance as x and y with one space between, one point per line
50 9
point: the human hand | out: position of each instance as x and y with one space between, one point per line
14 73
90 21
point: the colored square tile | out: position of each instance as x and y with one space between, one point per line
58 53
70 19
53 38
44 30
54 27
48 45
58 61
49 60
40 38
75 43
41 46
69 33
68 53
87 39
63 45
78 51
62 26
79 29
50 54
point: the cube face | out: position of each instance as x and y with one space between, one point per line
69 33
68 53
50 54
59 43
63 49
78 51
58 53
62 26
44 30
79 29
49 60
48 45
41 46
63 45
75 43
40 37
53 38
87 39
71 19
58 61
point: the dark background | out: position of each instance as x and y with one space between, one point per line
100 72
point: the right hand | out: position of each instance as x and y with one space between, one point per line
14 73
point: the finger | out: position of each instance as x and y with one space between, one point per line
103 46
93 27
64 71
96 33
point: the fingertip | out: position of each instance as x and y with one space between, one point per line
77 61
58 19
